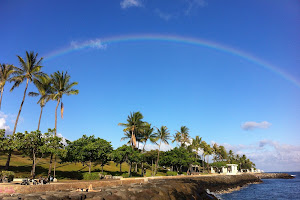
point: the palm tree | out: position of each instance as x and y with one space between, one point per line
127 136
184 135
163 135
147 134
43 85
134 125
61 85
177 138
196 144
29 70
5 73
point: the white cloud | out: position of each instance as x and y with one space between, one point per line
194 4
130 3
163 147
248 126
3 123
96 43
165 16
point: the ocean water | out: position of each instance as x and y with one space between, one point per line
270 189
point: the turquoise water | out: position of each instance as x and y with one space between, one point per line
270 189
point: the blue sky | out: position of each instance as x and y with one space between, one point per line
220 96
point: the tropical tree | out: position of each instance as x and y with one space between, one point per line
43 84
196 144
5 75
61 85
163 135
120 155
53 146
88 149
33 146
183 136
29 70
148 134
134 125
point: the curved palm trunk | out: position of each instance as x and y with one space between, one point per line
21 106
58 101
1 96
9 153
156 167
40 117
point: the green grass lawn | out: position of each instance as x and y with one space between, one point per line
21 166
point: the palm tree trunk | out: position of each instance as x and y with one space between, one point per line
40 118
1 95
50 165
9 154
21 106
58 101
156 167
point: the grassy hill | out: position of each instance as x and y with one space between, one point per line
22 165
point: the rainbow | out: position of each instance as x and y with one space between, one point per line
101 43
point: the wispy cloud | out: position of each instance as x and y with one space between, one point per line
130 3
163 15
248 126
193 5
96 43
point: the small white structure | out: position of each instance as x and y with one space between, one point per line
212 170
232 169
224 170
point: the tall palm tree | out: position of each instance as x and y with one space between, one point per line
177 138
5 75
196 144
184 135
163 135
134 125
148 134
29 70
61 85
43 84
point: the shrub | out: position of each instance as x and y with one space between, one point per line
91 176
9 175
170 173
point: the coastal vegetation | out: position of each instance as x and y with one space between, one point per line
94 153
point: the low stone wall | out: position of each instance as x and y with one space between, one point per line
28 189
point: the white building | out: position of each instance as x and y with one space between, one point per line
232 169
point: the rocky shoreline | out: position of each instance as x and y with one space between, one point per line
193 187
